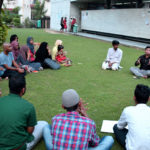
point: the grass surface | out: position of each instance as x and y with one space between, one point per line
107 92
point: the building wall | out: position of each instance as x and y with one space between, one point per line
59 8
75 11
129 22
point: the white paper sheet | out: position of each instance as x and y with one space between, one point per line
107 126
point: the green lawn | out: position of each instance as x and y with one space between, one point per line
107 92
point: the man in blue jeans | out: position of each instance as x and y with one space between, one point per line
74 130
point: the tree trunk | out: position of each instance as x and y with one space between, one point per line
1 2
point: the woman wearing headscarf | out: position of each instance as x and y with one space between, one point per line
55 49
43 56
30 44
25 55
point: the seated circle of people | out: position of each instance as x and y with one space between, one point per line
144 62
137 118
8 65
74 129
44 57
19 129
114 57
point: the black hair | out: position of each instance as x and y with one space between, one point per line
142 93
73 108
16 83
115 42
147 47
13 37
60 47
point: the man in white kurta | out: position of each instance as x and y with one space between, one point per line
114 57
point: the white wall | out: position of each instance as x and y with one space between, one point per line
59 8
130 22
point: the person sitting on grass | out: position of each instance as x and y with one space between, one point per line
30 44
137 118
74 130
19 129
114 57
55 49
144 62
61 57
43 56
1 72
8 62
13 37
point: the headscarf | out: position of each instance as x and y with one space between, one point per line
23 52
31 46
42 53
15 50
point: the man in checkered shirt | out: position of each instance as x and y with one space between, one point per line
74 130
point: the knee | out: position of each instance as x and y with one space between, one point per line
131 69
104 66
115 128
42 123
110 139
114 68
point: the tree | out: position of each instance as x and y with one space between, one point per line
38 12
3 27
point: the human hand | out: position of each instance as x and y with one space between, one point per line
82 109
139 61
20 70
110 64
1 68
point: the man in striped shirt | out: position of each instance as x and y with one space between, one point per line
74 130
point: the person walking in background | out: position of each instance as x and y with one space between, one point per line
74 129
114 57
19 129
137 118
43 56
144 62
72 24
62 24
65 24
55 49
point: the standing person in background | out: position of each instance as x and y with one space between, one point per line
74 130
62 24
43 56
55 49
144 62
72 24
114 57
30 44
65 24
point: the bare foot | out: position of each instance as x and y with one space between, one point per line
145 77
0 78
6 78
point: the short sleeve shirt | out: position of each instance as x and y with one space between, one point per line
16 114
6 59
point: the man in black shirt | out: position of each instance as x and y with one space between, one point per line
144 62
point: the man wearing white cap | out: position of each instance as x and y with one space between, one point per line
74 130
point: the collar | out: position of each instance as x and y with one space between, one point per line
141 105
74 113
13 95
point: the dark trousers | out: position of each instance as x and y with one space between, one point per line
10 73
120 135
